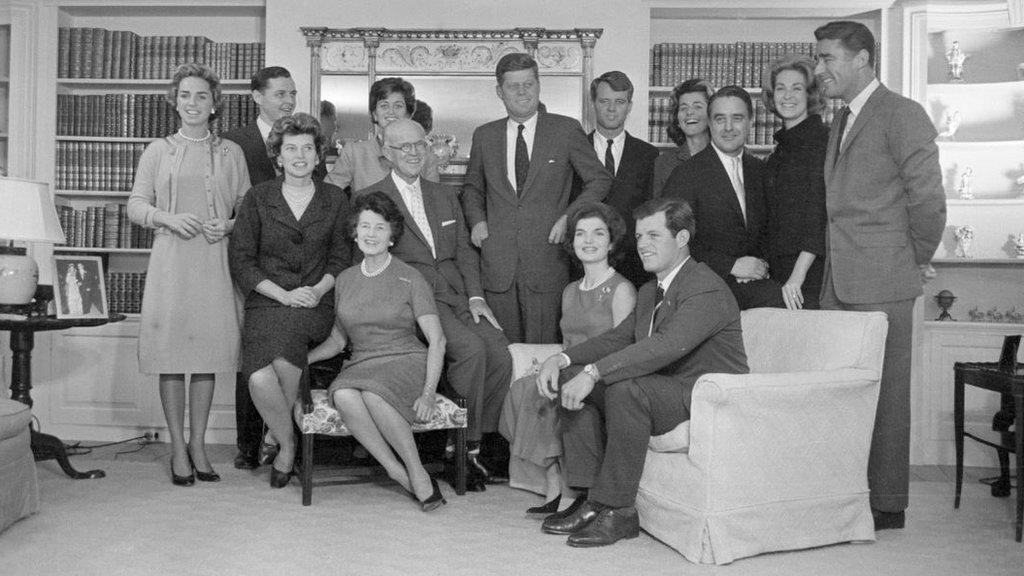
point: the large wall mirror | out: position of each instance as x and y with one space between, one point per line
452 70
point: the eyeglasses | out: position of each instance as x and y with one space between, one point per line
407 148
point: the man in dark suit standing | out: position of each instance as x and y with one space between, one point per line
629 160
723 185
478 361
637 379
516 197
886 212
274 92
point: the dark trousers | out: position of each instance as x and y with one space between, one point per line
248 422
479 367
889 460
605 442
758 293
527 315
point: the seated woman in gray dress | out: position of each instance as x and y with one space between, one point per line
289 244
590 306
391 379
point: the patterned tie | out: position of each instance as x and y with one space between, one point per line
609 158
658 297
844 115
522 161
415 202
737 185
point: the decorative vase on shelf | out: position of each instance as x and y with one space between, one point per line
955 61
964 241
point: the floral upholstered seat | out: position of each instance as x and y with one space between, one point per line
324 419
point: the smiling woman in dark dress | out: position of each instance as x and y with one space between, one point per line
795 182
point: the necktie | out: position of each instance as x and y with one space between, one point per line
844 115
522 161
420 215
609 158
658 297
737 185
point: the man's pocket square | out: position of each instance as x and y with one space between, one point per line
447 223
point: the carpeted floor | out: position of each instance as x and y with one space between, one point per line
135 522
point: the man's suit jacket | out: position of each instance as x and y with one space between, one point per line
698 331
261 168
722 235
518 225
455 272
885 201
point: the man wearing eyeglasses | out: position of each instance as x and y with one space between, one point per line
436 243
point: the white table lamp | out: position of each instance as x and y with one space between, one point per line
27 214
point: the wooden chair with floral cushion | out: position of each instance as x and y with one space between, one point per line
315 415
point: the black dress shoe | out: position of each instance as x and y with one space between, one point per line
549 508
210 476
280 479
570 510
246 460
436 499
181 480
573 523
493 470
610 526
889 520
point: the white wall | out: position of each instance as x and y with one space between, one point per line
624 45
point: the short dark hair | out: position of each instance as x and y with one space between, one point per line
379 203
327 109
816 100
617 81
611 218
263 76
514 62
298 123
381 89
424 116
733 91
691 86
203 72
678 214
853 36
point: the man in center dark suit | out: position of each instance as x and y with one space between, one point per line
723 185
478 361
516 198
637 379
629 160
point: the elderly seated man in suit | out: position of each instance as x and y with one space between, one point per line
723 185
635 381
479 364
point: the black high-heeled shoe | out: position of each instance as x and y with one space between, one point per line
210 476
549 507
435 501
280 479
181 480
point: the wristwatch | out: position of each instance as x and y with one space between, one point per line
591 370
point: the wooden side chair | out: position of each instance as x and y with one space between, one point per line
315 415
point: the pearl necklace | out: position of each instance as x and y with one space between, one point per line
203 139
377 272
601 280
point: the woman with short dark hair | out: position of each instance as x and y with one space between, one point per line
288 246
688 128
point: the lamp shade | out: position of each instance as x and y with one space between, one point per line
27 212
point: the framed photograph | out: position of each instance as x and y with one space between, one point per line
80 288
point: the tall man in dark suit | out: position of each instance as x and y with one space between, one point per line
723 185
516 197
886 212
478 361
274 92
629 160
637 379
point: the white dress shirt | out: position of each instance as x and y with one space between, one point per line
412 195
618 144
511 133
857 104
734 168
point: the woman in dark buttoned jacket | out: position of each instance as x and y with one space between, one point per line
795 181
288 246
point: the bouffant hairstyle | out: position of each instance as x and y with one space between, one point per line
298 123
691 86
203 72
816 100
381 89
611 218
378 203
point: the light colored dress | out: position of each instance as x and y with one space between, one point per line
74 293
528 420
190 317
379 314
